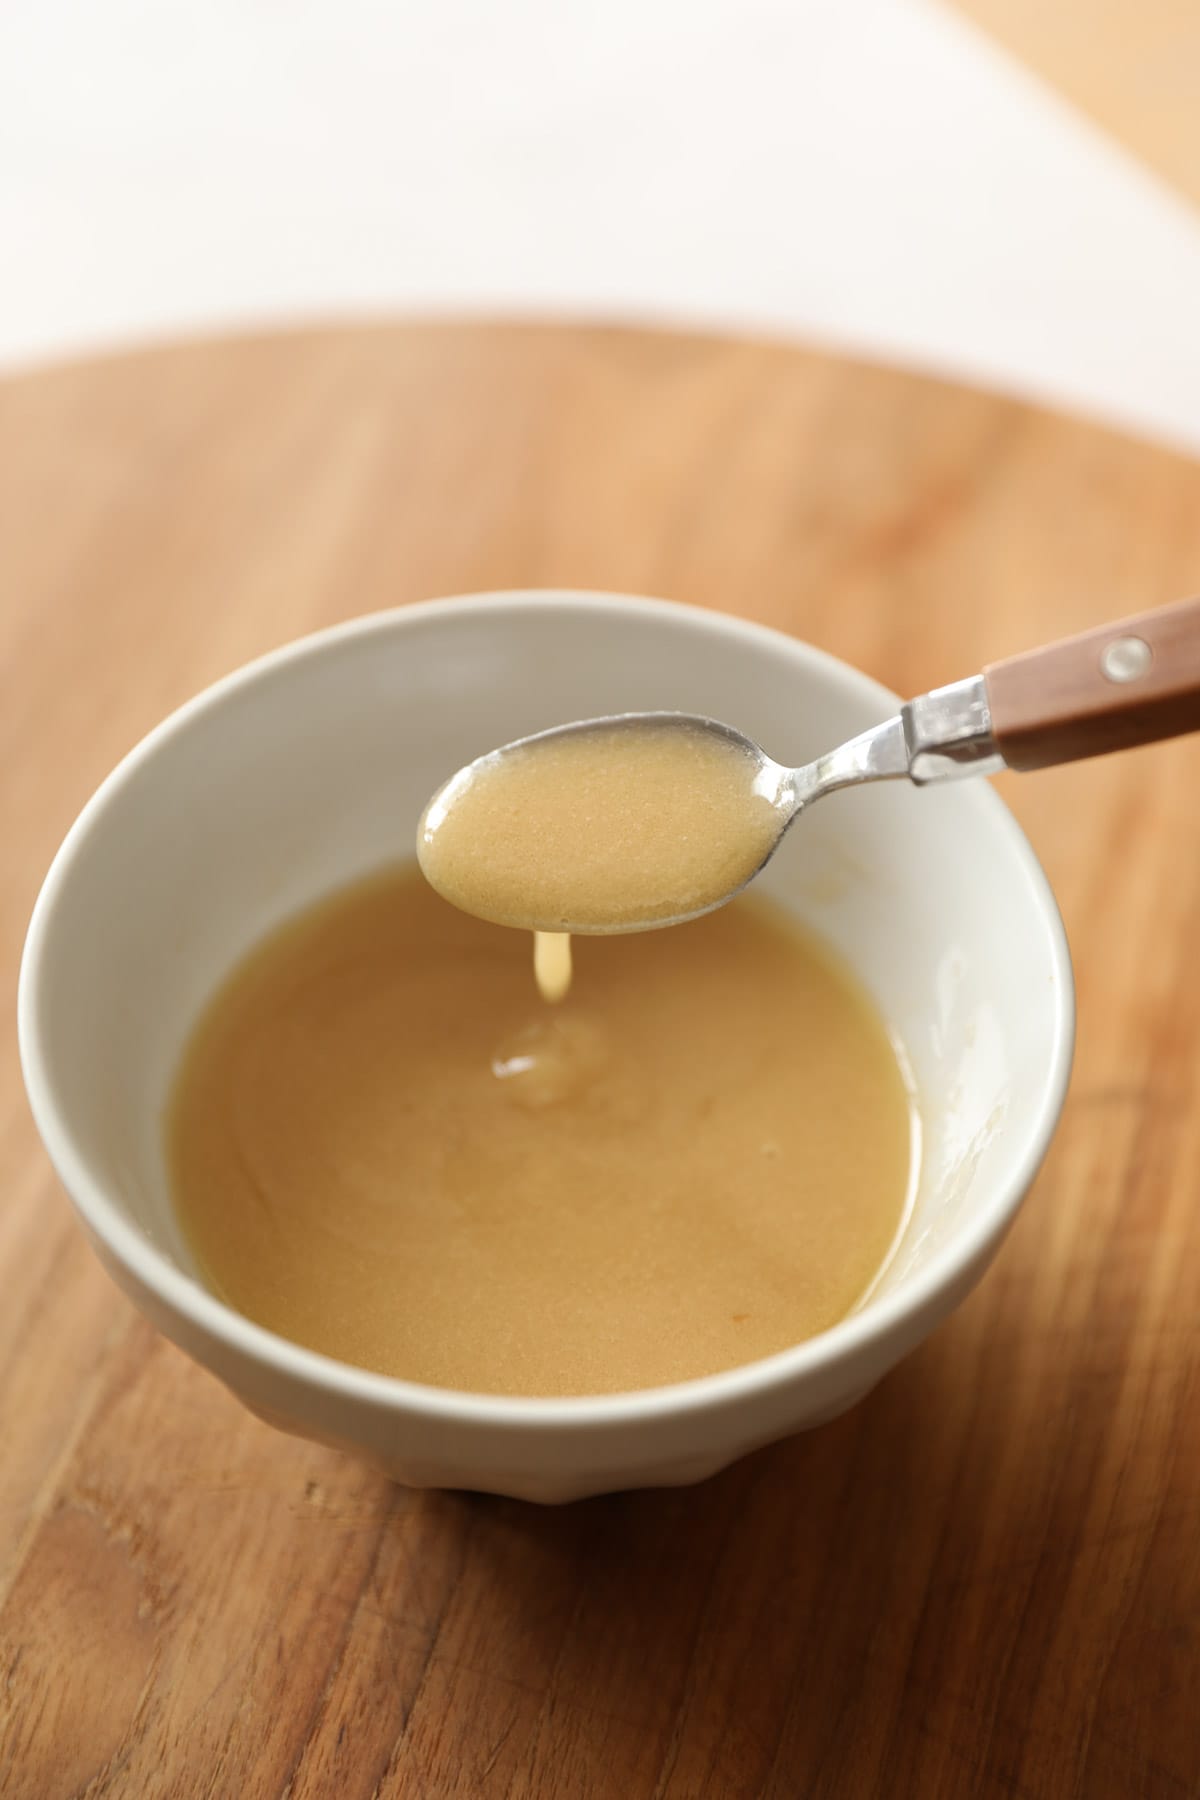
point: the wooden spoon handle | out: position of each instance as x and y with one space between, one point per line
1129 683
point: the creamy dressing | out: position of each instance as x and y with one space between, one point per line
383 1147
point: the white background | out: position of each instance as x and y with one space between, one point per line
865 172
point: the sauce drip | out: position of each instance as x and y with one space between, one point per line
552 964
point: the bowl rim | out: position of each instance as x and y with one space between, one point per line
183 1295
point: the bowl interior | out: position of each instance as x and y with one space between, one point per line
311 769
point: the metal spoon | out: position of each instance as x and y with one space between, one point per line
1125 684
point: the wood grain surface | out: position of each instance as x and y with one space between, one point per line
1133 65
984 1581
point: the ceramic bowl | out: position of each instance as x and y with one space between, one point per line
310 768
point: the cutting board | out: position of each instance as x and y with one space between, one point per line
986 1579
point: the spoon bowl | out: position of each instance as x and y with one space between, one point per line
625 822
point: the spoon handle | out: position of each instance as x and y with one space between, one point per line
1132 682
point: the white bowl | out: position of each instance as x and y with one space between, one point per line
309 768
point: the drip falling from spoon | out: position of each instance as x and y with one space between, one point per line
552 964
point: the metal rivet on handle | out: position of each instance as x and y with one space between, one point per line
1125 659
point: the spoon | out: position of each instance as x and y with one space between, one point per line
548 833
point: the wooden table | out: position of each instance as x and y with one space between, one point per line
1134 65
986 1580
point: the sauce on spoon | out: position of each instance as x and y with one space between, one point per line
614 826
